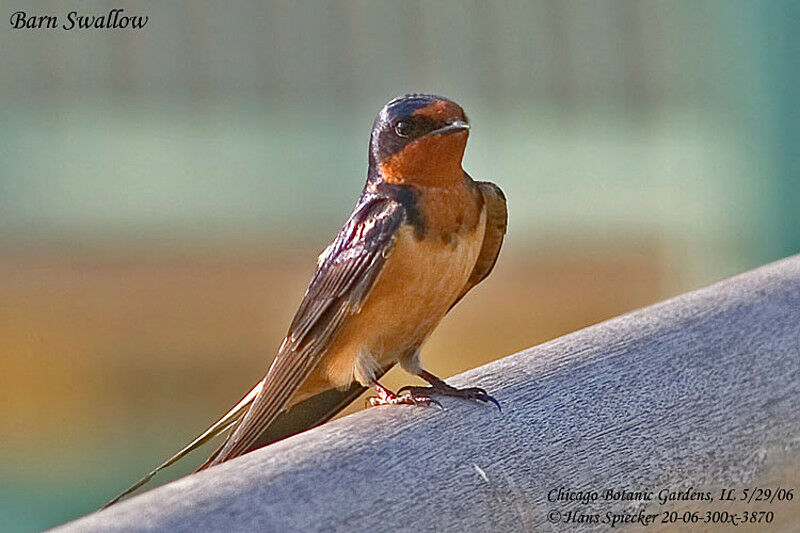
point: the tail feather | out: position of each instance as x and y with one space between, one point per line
300 417
220 426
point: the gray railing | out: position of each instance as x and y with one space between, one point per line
699 393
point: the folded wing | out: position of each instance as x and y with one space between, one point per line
496 223
346 273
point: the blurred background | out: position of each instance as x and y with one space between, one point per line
164 193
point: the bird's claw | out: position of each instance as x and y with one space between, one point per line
470 393
402 399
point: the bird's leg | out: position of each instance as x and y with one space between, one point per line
438 386
387 397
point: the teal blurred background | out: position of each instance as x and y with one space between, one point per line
164 192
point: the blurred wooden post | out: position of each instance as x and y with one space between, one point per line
701 392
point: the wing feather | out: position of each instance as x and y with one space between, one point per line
342 281
496 224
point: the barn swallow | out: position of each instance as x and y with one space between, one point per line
422 234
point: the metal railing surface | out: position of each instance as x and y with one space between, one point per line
699 393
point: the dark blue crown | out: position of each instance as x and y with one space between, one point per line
405 105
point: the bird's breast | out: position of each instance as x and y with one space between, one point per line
418 283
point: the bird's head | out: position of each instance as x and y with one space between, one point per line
418 139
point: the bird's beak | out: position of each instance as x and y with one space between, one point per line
454 126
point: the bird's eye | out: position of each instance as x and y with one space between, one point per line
403 128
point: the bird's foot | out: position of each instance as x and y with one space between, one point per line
443 389
387 397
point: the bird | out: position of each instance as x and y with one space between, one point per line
422 234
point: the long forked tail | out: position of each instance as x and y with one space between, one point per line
300 417
303 416
229 419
